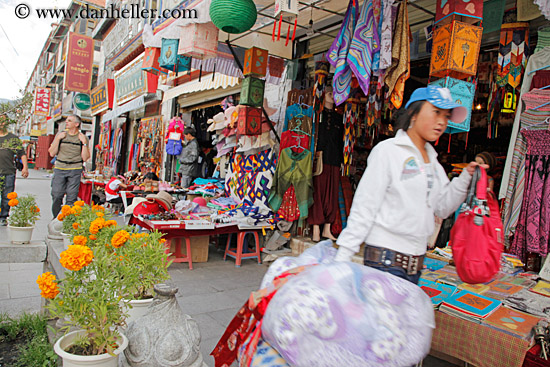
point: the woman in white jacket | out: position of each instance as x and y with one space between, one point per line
403 187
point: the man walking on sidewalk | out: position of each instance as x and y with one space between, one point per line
10 146
71 148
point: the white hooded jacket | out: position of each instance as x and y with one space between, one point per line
391 207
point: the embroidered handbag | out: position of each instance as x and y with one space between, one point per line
476 237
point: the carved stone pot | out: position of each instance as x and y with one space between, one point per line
164 336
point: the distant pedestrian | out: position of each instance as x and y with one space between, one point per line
189 158
71 148
10 148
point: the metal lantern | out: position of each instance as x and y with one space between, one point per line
455 50
169 58
255 61
463 93
199 40
151 61
250 121
464 8
233 16
252 92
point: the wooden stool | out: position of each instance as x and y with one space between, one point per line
237 253
177 256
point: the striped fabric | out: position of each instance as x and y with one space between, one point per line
337 55
365 41
477 344
514 193
342 205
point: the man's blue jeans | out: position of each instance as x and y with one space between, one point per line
8 185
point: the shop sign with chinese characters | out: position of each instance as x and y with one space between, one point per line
80 58
42 101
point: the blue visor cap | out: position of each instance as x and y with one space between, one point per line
441 98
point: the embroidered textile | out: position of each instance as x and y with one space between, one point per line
299 117
337 55
293 169
533 227
512 58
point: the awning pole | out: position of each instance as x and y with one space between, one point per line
263 109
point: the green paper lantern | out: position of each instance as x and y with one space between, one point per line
233 16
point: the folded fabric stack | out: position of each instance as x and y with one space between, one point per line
469 306
207 187
438 292
512 322
529 302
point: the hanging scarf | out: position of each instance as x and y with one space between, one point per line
338 53
365 40
351 116
321 73
399 70
386 34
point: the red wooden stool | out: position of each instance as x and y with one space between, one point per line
237 253
177 256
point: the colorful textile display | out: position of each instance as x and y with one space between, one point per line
337 55
169 58
364 42
250 178
321 73
351 117
386 34
512 58
463 93
533 227
399 71
346 314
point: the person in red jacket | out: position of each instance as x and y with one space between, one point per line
113 188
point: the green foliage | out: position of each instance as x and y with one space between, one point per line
32 328
13 111
25 213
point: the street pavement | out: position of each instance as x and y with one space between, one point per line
211 293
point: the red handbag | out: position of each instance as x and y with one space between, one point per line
476 237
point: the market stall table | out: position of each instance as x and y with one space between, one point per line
86 188
177 229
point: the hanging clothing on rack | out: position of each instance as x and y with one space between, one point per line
299 116
541 79
293 169
536 61
535 99
533 120
533 228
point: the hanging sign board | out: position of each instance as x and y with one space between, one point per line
102 96
42 101
82 101
80 58
132 81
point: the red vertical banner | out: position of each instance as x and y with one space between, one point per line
42 101
80 58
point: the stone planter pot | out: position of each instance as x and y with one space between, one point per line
66 240
74 360
138 309
20 235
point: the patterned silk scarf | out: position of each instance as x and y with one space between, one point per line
365 41
338 55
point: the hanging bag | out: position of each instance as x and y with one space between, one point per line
476 237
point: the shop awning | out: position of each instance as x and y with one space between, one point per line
206 83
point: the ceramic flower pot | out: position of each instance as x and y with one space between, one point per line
20 235
138 309
74 360
66 240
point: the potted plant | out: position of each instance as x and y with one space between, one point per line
76 220
23 215
88 298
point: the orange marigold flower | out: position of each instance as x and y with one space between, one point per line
110 223
98 208
12 195
80 240
48 286
162 240
76 225
76 257
37 209
120 238
96 225
92 237
99 214
79 203
60 217
65 210
13 202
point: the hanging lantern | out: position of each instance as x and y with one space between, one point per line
285 8
462 93
169 58
464 8
151 61
252 92
233 16
199 40
255 62
455 50
250 121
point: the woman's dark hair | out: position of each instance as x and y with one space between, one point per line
151 176
403 117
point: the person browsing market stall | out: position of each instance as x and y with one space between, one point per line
403 187
189 158
113 188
